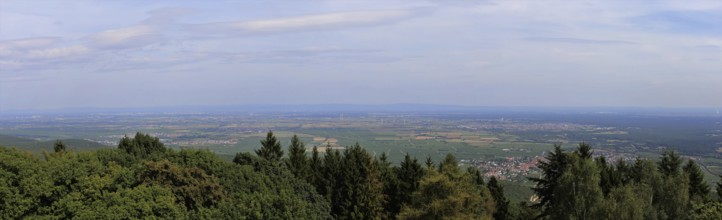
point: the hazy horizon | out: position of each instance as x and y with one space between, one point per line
138 54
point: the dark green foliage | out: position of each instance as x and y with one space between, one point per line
316 178
429 162
669 163
331 179
718 188
297 161
502 204
449 194
360 186
577 194
552 170
144 180
192 186
142 145
612 176
115 184
698 188
584 151
390 181
409 174
58 146
270 148
476 176
526 211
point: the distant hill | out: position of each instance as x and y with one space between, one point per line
37 147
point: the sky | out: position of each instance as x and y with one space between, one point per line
120 54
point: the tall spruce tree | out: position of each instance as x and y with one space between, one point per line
584 150
429 162
698 188
552 169
577 194
449 194
669 163
359 186
297 161
316 177
409 174
333 180
391 191
719 189
270 148
502 204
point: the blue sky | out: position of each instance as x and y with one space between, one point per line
108 54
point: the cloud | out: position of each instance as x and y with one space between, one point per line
324 21
133 36
578 40
28 43
58 52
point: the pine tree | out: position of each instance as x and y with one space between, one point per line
449 194
297 161
552 170
359 186
476 176
449 164
719 189
698 188
584 150
390 181
577 195
59 146
669 163
316 168
409 174
502 204
429 162
270 148
333 180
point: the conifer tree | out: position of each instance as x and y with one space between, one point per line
449 164
476 176
552 169
390 181
409 174
270 148
669 163
429 162
359 187
719 189
449 194
577 194
502 204
584 150
333 180
297 161
59 146
698 188
316 177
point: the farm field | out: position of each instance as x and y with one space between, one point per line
514 140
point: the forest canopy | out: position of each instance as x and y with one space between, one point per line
142 178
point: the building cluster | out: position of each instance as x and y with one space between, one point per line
509 168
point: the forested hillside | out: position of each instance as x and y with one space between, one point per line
141 178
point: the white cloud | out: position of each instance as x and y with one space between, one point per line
133 36
28 43
58 52
310 22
